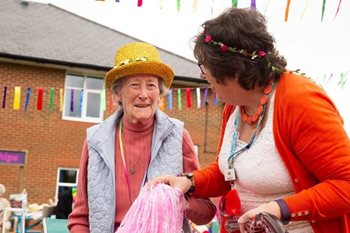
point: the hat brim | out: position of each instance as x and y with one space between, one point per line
143 67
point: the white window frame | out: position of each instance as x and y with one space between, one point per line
64 184
83 117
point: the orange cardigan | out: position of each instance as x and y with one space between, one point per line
315 148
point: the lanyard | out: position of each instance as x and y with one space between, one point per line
126 173
234 152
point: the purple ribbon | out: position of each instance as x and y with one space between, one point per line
72 100
205 96
253 4
4 97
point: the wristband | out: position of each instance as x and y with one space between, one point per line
284 211
190 177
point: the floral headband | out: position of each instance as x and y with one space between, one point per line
224 48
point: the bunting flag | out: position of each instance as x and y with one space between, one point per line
4 97
287 11
342 80
179 99
188 97
194 6
336 13
215 101
17 98
170 100
178 5
39 104
111 103
52 91
103 100
234 3
61 99
161 4
305 7
198 94
26 104
161 104
139 3
253 4
81 98
205 96
71 106
323 8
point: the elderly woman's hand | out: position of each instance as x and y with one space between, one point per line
271 207
179 182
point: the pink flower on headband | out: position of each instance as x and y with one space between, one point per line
223 47
262 53
207 38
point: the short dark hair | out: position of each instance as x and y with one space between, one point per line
243 29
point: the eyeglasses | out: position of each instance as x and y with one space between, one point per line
202 68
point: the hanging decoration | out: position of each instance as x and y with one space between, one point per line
39 104
336 13
215 101
188 97
139 3
178 5
323 8
26 104
52 90
61 99
81 100
4 97
71 106
103 100
253 4
194 6
305 7
170 100
111 103
234 3
179 100
287 11
205 96
198 94
161 104
161 4
267 6
342 80
17 98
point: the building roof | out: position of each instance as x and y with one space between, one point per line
49 34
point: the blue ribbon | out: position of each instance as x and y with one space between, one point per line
27 99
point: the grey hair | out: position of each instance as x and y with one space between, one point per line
118 85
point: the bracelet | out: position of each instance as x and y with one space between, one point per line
190 177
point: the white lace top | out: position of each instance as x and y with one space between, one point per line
261 175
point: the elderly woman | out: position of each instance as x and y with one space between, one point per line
135 144
282 145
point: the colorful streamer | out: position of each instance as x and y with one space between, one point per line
336 13
205 96
323 9
39 104
234 3
161 104
304 10
179 99
52 91
188 97
170 100
71 107
61 99
103 100
198 94
111 103
26 104
4 97
17 98
178 5
215 101
81 100
253 4
194 6
287 11
139 3
342 80
267 6
161 5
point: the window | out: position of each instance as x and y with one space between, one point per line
67 178
82 98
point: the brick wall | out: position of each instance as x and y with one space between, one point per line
52 142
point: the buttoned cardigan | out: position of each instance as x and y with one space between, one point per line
310 138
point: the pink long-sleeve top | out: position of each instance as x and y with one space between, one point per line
136 140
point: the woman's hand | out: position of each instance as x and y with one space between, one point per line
271 207
179 182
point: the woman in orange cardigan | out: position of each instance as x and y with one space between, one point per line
282 147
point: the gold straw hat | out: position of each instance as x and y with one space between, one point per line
138 58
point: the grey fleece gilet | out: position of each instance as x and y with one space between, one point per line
166 149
